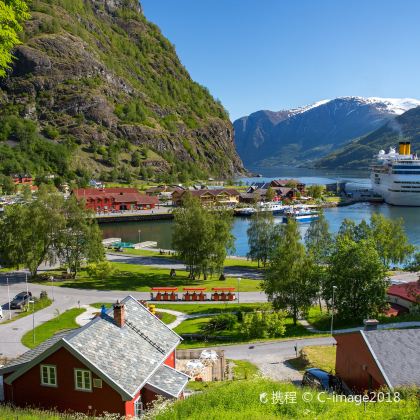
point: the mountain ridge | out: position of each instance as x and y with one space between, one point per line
302 135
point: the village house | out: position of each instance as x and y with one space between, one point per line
258 192
371 359
220 196
164 192
115 199
22 179
117 363
404 298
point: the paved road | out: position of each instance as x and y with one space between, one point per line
64 298
270 357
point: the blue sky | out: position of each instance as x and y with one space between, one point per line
278 54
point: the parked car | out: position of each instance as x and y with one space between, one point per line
20 300
320 379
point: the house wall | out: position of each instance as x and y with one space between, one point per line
170 361
27 389
355 364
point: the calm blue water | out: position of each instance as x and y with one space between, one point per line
161 231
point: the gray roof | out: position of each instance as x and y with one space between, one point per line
126 356
397 354
31 354
168 380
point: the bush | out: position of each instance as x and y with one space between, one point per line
263 324
100 270
221 322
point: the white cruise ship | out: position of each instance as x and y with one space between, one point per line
396 176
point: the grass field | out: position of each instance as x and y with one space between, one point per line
322 320
322 357
209 308
229 262
64 321
263 399
234 336
39 304
165 317
141 278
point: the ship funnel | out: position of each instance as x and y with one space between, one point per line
408 148
401 150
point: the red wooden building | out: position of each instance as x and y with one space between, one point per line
22 179
117 363
404 297
369 360
115 199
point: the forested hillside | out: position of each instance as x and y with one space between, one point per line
358 154
97 90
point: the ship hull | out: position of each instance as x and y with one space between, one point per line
402 190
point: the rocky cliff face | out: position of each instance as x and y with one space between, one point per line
97 75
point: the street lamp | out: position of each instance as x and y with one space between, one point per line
139 234
52 284
239 281
334 288
33 320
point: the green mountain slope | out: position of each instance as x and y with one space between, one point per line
358 153
97 90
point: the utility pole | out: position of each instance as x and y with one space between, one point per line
8 297
33 320
52 284
239 282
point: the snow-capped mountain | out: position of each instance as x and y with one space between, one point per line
305 134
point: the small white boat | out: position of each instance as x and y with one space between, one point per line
301 216
247 211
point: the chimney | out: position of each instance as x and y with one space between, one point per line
119 313
370 324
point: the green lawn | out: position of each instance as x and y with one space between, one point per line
165 317
64 321
141 278
244 369
322 320
235 336
322 357
39 304
229 262
209 308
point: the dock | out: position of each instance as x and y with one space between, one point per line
163 213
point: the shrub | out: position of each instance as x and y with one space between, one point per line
221 322
100 270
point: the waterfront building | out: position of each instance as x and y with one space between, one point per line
219 196
115 199
118 363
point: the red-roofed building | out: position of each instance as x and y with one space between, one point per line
406 295
115 199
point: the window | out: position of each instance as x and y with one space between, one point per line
138 408
48 375
82 380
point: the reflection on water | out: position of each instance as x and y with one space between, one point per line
161 231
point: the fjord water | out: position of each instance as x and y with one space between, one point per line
161 231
